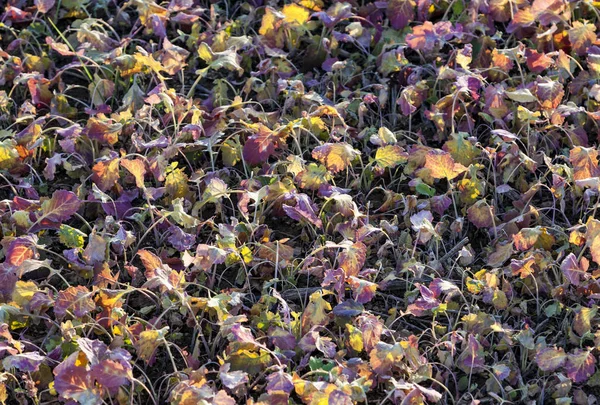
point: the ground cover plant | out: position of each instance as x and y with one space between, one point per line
310 202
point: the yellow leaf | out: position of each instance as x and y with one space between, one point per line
8 154
268 21
316 311
23 292
148 341
295 14
355 338
205 53
461 149
441 165
246 254
390 156
499 300
176 184
335 156
313 176
137 168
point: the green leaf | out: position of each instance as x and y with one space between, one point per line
71 237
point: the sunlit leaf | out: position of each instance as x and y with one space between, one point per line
551 359
148 341
581 36
580 365
76 300
335 156
441 165
352 259
137 167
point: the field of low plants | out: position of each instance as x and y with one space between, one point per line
299 202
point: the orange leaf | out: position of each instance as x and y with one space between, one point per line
441 165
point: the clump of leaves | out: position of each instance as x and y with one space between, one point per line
299 202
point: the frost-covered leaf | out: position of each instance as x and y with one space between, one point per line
148 342
580 365
441 165
550 359
581 36
60 207
335 156
25 362
352 259
76 300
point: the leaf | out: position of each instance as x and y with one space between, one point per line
95 251
313 177
271 25
23 292
279 381
472 358
148 341
316 312
43 6
521 96
582 323
581 36
150 261
363 291
176 183
8 154
390 156
304 209
580 365
592 237
260 146
25 362
77 300
137 167
295 14
181 217
75 382
19 250
426 37
441 165
424 304
549 92
335 156
537 62
481 214
71 237
60 207
550 359
585 162
573 270
106 174
384 357
400 13
533 237
461 149
228 59
103 131
352 259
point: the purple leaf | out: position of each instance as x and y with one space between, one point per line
304 209
550 359
181 240
580 365
400 13
76 300
279 381
25 362
60 207
472 359
574 271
